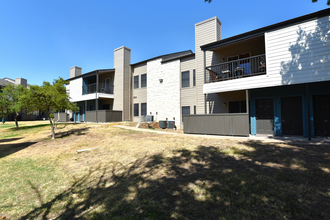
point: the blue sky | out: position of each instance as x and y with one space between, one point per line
41 39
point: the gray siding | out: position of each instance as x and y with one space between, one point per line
205 32
103 116
218 124
63 116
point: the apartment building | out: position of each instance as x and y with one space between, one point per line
269 81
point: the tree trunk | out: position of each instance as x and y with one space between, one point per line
16 115
51 125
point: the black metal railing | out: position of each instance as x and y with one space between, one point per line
246 67
103 88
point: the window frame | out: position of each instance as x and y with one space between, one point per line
186 84
136 82
136 110
194 77
143 85
182 107
144 109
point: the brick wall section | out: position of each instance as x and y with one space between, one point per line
164 98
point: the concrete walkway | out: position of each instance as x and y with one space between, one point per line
297 140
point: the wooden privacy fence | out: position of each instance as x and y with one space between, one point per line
217 124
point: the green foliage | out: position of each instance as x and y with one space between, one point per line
50 98
12 100
51 115
328 2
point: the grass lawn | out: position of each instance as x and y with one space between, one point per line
137 175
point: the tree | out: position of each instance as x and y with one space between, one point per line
328 1
49 98
11 101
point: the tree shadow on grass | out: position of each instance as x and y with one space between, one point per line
8 149
78 131
255 182
9 139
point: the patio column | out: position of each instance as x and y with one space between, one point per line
96 98
204 66
85 110
308 112
247 100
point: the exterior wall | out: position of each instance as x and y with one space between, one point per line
294 55
164 98
219 102
139 95
287 91
206 32
188 95
75 89
122 81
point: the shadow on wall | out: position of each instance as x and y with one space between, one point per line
309 54
212 182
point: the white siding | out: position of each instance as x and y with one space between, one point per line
76 89
295 54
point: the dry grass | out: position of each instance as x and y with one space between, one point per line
153 176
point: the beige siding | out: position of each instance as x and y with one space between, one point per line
127 84
188 94
294 55
122 81
140 94
205 32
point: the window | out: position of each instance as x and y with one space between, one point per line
136 82
185 111
136 109
194 109
143 80
143 108
194 77
185 79
237 107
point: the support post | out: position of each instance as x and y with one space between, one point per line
308 112
96 98
85 110
247 100
205 105
204 65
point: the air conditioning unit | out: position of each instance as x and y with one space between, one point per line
143 118
171 124
162 124
149 118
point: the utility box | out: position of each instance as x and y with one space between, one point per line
171 124
149 118
162 124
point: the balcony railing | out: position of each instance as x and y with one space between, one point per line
246 67
103 88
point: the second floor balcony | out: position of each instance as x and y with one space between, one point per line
102 88
236 69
